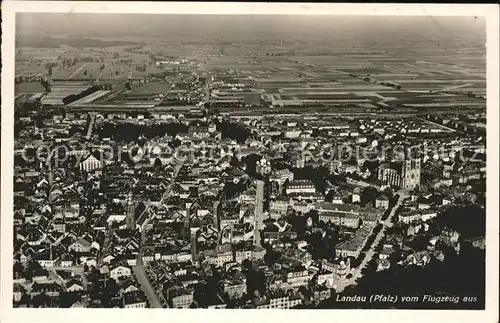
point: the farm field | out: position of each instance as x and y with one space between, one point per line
149 88
31 87
390 75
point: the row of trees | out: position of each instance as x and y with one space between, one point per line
233 131
75 97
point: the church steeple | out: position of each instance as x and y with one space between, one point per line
130 212
410 175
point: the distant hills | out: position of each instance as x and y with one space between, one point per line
247 27
24 40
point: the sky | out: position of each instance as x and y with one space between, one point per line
233 27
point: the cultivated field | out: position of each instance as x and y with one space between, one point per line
390 75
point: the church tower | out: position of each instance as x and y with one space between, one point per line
410 173
130 213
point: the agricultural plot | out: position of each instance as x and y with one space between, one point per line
87 71
117 71
63 74
152 88
331 75
31 87
29 68
56 96
364 71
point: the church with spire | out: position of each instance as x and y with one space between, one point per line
403 174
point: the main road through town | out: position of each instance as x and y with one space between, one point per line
371 252
139 271
140 274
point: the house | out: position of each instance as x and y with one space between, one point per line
356 196
135 299
120 271
131 258
81 245
91 261
382 202
383 264
235 288
339 218
325 278
420 258
46 258
280 176
321 293
253 253
180 297
73 286
18 217
387 250
148 255
337 198
278 299
66 260
90 164
279 205
301 256
353 246
18 292
221 255
130 288
41 275
50 289
108 258
300 186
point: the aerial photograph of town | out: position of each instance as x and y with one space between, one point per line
249 161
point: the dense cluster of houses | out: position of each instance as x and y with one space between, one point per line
201 212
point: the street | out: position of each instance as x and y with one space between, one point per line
371 252
140 274
138 269
105 247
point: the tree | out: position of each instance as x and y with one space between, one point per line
388 192
271 256
314 215
247 264
31 269
158 163
18 269
369 195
